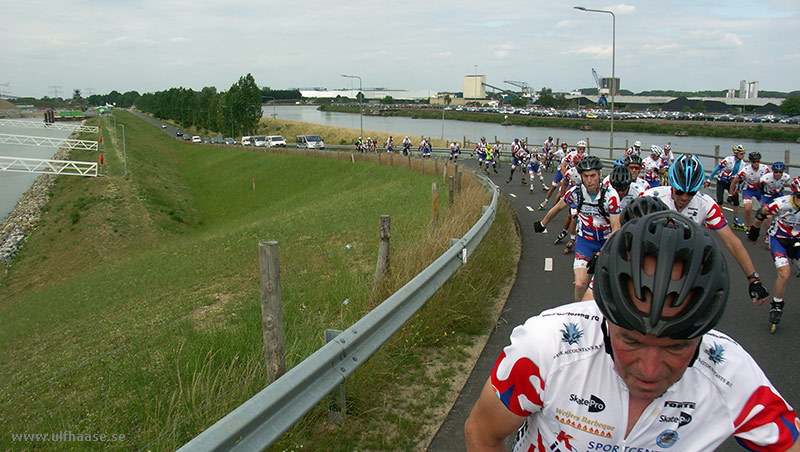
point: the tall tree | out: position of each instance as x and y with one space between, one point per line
244 97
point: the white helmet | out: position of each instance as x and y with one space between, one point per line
581 144
637 143
656 150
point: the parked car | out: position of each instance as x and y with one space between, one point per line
163 126
247 140
179 132
310 142
229 141
186 137
197 139
260 141
276 141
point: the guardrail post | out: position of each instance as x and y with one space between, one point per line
450 189
458 181
271 310
337 400
444 172
436 166
434 205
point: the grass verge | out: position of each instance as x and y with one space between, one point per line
134 309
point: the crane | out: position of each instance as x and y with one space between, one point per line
602 102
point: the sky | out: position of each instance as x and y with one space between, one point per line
147 45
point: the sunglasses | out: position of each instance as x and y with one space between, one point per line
681 192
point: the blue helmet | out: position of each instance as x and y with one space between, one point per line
687 173
778 166
619 162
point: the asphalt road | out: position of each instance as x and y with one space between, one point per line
537 289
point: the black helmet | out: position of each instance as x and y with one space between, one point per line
753 156
640 207
621 178
590 162
699 293
633 159
687 173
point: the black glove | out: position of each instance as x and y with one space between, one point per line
757 290
730 199
538 226
592 262
753 233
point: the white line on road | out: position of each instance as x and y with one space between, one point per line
548 264
529 208
512 195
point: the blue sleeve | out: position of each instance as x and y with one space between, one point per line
716 170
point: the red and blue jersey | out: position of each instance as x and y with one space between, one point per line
593 211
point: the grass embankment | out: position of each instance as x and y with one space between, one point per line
134 308
768 132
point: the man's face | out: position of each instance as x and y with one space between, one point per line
591 180
681 198
647 364
581 149
739 155
755 164
634 170
777 174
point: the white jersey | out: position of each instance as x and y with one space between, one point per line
573 157
652 167
751 175
593 212
558 374
573 177
772 186
729 167
634 191
786 222
702 208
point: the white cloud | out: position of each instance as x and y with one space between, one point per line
622 9
445 54
503 50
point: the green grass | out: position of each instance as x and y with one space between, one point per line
134 307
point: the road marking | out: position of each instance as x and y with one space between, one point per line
512 195
529 208
728 209
548 264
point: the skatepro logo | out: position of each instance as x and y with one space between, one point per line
594 403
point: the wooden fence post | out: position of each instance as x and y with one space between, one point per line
716 155
271 310
382 268
786 157
450 189
436 166
458 181
434 205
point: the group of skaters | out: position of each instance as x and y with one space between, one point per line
594 203
370 145
635 358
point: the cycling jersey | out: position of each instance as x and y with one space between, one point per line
573 157
750 176
772 186
534 160
633 150
593 223
652 168
728 167
634 191
702 208
558 373
786 220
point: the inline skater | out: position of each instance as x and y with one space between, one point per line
621 179
406 146
480 151
771 185
635 149
518 157
668 154
570 160
634 163
490 159
497 150
534 169
596 208
784 242
389 144
686 177
570 180
426 147
727 168
454 151
654 166
748 178
547 149
360 145
556 183
640 367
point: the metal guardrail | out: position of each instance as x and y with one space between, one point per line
49 142
42 125
43 166
261 420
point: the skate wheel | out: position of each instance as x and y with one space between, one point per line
773 328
